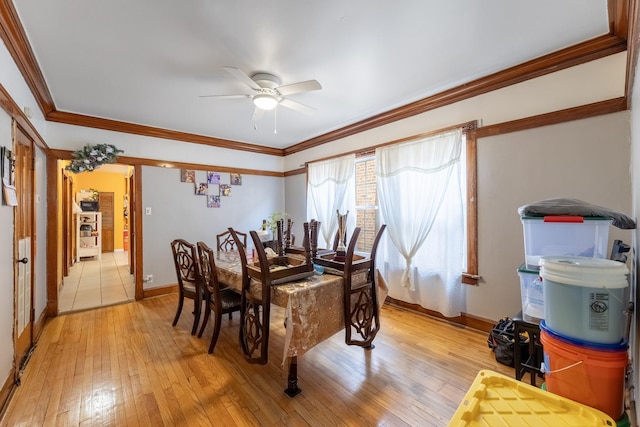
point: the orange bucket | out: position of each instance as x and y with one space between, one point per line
588 373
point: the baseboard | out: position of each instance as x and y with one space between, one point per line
464 319
39 325
160 290
5 394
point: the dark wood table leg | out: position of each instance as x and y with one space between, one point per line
292 389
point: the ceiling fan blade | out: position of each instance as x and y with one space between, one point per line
226 96
299 87
297 106
240 75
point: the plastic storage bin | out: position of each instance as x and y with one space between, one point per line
532 294
584 298
564 235
590 374
497 400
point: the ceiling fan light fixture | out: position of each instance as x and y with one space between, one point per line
265 101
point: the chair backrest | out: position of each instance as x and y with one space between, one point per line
209 273
362 317
185 259
226 242
374 252
255 309
336 240
351 249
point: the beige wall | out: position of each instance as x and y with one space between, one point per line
584 159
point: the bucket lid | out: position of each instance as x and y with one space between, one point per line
567 218
621 345
585 272
531 270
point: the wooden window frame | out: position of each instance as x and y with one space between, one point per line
471 275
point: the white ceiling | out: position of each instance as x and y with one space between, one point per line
148 61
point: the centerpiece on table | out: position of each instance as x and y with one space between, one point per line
335 260
341 250
284 266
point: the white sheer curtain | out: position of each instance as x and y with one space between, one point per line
330 188
421 201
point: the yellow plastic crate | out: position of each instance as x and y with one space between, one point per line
497 400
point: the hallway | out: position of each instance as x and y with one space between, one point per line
96 283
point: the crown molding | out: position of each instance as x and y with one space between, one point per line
565 58
131 128
623 19
138 161
13 34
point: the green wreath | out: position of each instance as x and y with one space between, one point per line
91 157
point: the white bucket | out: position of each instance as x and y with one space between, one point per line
583 297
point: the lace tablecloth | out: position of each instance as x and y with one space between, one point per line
314 306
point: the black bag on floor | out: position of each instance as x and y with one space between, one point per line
501 341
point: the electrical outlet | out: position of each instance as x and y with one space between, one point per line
148 278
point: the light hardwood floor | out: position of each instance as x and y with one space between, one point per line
125 365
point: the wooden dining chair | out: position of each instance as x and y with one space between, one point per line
226 242
185 258
361 310
218 298
255 308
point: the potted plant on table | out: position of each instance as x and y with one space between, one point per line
270 225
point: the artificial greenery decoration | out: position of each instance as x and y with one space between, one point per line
272 222
91 157
95 195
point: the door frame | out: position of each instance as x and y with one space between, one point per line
54 180
20 358
68 246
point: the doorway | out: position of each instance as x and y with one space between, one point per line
108 279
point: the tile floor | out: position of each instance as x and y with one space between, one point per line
94 283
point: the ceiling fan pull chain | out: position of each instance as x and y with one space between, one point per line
275 120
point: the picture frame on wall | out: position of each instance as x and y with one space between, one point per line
213 201
235 179
202 189
8 173
213 178
187 175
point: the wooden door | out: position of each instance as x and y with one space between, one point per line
108 227
23 249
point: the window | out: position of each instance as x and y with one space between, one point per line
421 192
366 202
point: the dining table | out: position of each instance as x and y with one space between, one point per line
314 307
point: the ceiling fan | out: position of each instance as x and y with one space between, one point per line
268 93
